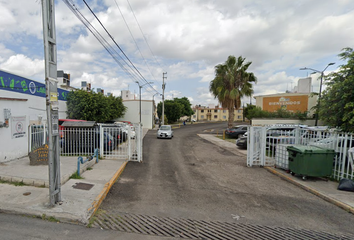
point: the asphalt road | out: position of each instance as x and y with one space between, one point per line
16 227
188 177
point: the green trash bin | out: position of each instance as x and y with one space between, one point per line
310 161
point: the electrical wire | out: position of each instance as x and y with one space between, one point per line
116 43
136 44
100 38
143 34
131 70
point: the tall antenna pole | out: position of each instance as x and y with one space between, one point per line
163 97
52 104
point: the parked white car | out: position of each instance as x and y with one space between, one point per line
132 132
165 131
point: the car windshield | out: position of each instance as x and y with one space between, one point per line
165 128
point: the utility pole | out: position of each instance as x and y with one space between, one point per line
52 105
163 97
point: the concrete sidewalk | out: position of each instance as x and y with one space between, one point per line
326 190
80 197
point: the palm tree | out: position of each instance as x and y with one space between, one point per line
231 83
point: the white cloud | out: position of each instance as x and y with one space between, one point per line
187 39
22 65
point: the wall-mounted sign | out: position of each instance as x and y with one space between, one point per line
14 83
290 103
18 127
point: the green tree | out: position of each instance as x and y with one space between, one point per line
231 83
337 101
187 110
93 106
174 109
247 110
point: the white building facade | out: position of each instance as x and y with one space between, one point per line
22 103
133 112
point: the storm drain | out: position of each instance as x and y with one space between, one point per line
199 229
82 186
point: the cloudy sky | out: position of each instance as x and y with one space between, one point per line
185 38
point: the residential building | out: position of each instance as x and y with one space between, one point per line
215 113
64 80
133 112
127 95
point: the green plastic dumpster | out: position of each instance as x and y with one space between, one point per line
310 161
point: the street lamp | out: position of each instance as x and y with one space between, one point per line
319 94
140 87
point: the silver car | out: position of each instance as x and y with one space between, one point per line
165 131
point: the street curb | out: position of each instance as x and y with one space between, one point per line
313 191
97 202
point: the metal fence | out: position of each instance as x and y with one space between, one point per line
266 146
37 136
113 142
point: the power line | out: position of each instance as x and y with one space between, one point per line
100 38
143 34
131 34
133 71
115 42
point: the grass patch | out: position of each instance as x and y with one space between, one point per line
75 176
227 138
89 168
13 183
50 219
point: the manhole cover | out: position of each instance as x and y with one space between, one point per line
82 186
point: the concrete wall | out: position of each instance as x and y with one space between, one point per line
132 113
263 122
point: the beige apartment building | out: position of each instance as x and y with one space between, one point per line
214 113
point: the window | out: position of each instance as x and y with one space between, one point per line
194 116
239 111
224 117
202 111
239 117
202 116
209 111
224 111
215 111
215 116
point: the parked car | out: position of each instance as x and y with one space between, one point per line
124 127
115 130
132 132
242 142
165 131
83 142
237 131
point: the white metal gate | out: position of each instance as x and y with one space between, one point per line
128 144
266 146
256 148
113 142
